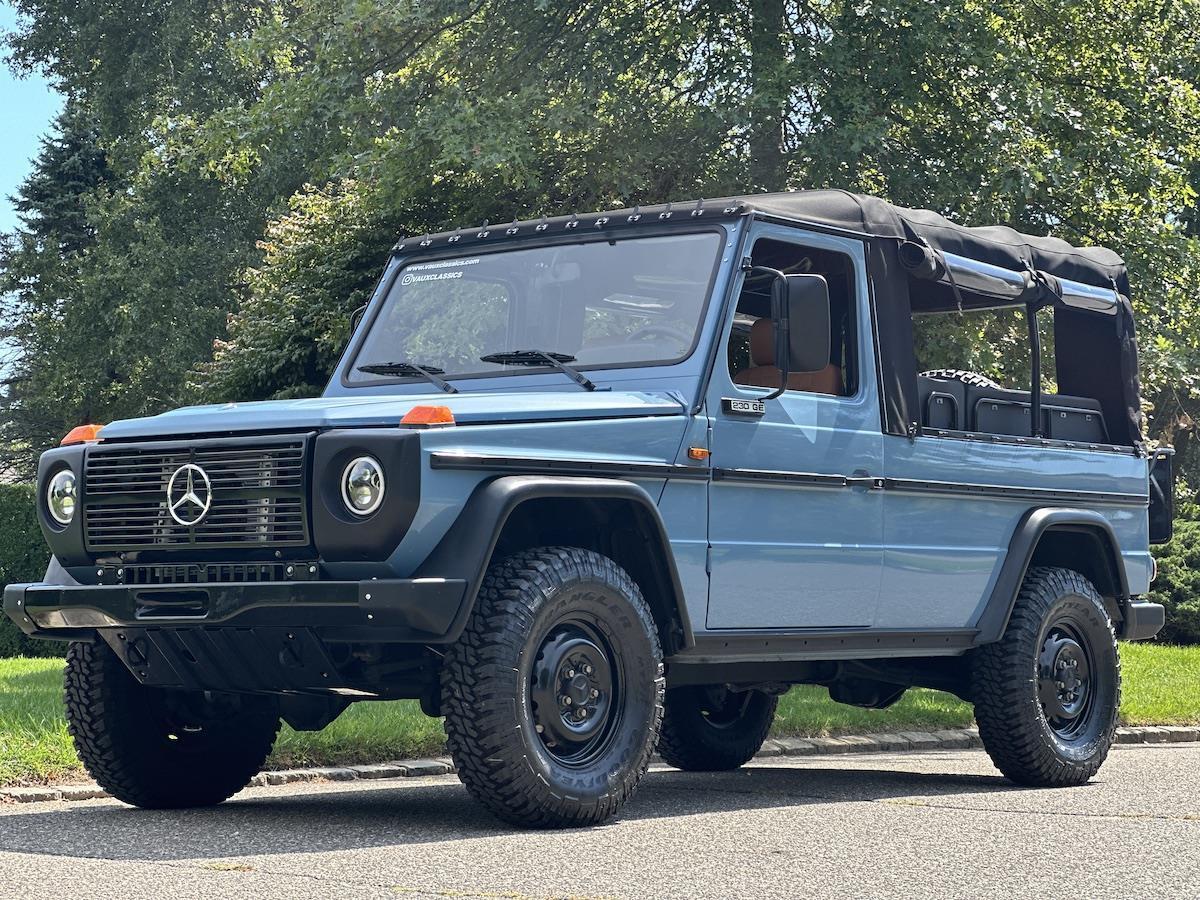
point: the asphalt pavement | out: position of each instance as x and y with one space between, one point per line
908 825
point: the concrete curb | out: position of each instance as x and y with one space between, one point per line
956 739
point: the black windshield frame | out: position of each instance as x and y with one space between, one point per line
386 283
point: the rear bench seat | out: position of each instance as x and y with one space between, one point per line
952 406
943 403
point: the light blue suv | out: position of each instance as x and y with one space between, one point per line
595 485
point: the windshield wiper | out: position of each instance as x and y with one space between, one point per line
542 358
429 373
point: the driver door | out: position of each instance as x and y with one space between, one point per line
795 519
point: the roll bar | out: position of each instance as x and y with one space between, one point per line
973 276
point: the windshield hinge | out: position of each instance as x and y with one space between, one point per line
747 264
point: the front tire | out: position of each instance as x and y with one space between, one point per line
709 728
1047 695
553 694
162 749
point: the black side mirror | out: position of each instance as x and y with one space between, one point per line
800 310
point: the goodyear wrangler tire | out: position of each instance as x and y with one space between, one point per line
162 749
553 694
1048 693
709 728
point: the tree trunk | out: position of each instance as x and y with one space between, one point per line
768 71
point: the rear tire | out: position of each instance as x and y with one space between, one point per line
1047 695
157 748
709 728
553 694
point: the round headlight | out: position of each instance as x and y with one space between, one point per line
362 485
61 496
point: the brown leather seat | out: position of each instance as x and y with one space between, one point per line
763 372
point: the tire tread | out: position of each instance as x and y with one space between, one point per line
107 721
478 688
686 744
1009 717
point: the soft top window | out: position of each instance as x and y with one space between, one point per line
976 374
751 340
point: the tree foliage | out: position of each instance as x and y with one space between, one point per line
1177 586
23 557
260 158
320 261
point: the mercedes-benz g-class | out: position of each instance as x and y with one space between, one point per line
595 485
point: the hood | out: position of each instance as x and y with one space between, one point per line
376 410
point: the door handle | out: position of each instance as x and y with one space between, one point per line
863 480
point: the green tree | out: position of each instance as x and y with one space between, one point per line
46 316
320 262
1080 120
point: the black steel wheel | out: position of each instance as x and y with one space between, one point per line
710 728
575 696
553 694
1048 693
1065 679
157 748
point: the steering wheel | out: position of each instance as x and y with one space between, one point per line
665 331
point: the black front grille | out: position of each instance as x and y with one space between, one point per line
258 495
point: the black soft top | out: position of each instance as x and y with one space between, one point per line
997 245
1096 354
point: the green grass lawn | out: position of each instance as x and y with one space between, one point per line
1162 687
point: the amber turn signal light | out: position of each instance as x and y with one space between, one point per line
81 434
428 415
700 453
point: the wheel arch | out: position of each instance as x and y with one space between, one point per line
516 512
1078 539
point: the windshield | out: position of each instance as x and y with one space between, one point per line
631 302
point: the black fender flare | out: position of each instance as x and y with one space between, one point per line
1021 547
466 550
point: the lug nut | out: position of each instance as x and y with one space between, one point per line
595 693
565 700
582 713
570 673
587 670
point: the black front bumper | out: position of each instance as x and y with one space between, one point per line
268 636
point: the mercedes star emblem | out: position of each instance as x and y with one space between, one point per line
189 495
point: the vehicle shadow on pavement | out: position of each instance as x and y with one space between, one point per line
390 814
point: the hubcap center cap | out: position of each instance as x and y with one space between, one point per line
580 689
